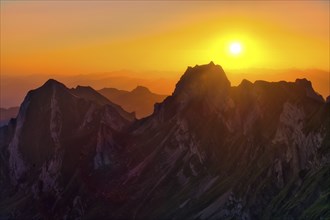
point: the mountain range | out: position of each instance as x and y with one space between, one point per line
209 151
140 100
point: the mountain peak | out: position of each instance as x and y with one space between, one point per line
49 86
246 83
141 89
307 86
207 78
90 94
52 82
84 88
303 82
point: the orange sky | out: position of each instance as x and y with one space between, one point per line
82 37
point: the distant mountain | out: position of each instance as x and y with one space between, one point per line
16 87
320 78
140 100
7 114
209 151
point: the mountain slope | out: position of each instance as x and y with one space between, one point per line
140 100
220 152
210 151
58 140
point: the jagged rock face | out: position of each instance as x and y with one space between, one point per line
201 90
250 142
202 81
60 136
210 151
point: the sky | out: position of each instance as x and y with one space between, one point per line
159 39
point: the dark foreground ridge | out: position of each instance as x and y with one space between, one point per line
210 151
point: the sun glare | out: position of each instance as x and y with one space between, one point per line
235 48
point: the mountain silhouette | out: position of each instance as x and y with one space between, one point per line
209 151
140 100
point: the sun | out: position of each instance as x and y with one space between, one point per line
235 48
